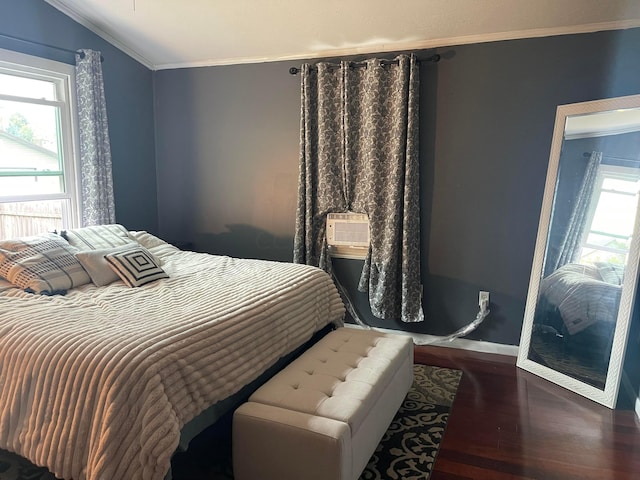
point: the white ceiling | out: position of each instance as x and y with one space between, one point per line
165 34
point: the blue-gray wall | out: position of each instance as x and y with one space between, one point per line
128 91
227 155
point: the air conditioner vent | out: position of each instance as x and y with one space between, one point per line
348 235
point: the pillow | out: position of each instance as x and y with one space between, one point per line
6 285
610 273
97 237
97 266
146 239
135 266
43 264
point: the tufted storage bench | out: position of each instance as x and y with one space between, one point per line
322 417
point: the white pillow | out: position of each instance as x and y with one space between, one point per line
43 264
97 266
136 266
6 285
97 237
146 239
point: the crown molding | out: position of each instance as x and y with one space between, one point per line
353 50
417 45
85 22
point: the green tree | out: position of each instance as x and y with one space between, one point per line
19 127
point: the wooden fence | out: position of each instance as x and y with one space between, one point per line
29 218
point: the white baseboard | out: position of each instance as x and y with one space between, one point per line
486 347
628 389
460 343
627 385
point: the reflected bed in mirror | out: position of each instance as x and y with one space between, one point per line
584 273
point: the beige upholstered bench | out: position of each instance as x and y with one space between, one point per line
322 417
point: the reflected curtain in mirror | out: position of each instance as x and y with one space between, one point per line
571 245
359 153
96 193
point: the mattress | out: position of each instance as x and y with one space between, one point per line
97 384
581 297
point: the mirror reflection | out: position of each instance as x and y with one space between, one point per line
588 244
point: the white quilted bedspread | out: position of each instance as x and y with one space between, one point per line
98 383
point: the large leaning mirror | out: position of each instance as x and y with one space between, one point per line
585 266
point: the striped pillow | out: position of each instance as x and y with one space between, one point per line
135 267
43 264
97 237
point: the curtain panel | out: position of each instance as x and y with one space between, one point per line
359 153
570 247
96 181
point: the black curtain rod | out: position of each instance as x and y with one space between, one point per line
32 42
433 58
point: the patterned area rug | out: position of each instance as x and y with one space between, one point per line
550 352
409 447
407 451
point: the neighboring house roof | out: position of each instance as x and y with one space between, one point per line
17 153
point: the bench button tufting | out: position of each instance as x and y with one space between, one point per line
250 420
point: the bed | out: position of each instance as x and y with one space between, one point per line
579 305
100 382
583 295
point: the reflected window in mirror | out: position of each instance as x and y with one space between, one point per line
611 215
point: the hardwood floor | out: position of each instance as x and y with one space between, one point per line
509 424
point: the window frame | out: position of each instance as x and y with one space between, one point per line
606 171
62 75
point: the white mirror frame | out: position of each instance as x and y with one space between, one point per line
609 395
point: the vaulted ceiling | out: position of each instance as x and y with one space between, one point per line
185 33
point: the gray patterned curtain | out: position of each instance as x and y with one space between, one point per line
96 181
359 152
570 247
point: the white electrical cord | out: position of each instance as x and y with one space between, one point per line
466 330
348 304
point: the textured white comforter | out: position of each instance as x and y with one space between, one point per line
98 383
581 296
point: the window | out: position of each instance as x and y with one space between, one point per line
37 134
612 213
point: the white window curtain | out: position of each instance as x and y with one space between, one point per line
97 203
359 152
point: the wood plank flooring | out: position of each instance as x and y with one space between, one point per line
506 423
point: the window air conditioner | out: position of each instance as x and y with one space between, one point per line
348 235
